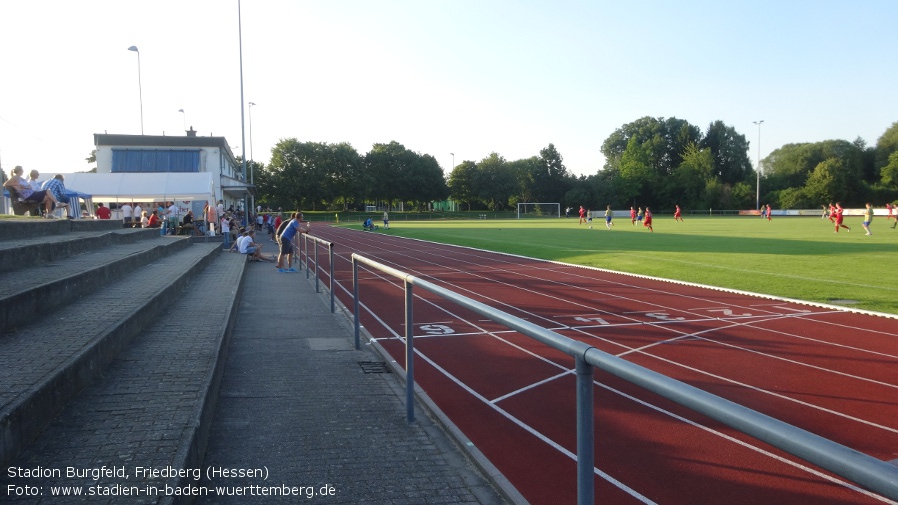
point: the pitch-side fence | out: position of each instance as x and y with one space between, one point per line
864 470
316 242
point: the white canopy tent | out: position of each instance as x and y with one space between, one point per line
144 187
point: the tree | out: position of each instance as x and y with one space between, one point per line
729 152
635 172
494 182
886 145
687 184
890 172
550 177
462 182
426 182
386 164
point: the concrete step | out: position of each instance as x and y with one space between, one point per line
33 292
20 252
19 228
152 407
44 364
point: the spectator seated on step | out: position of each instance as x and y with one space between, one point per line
249 247
27 195
56 187
188 225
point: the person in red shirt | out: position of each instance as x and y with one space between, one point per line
582 215
677 216
103 212
768 212
647 221
838 217
632 216
154 220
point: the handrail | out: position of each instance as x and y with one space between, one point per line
867 471
330 248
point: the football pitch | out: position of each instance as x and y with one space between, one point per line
793 257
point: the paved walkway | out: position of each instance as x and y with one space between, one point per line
298 412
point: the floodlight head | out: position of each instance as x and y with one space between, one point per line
133 48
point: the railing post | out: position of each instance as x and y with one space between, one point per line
409 354
355 300
330 260
306 243
317 289
585 434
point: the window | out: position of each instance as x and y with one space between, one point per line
155 160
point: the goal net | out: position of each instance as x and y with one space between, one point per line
536 210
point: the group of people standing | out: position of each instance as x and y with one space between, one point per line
286 234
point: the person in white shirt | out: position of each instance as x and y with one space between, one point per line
249 246
173 214
32 180
138 212
127 214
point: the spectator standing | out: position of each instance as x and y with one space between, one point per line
211 216
128 214
286 236
173 214
226 231
103 212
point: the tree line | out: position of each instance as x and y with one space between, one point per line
656 162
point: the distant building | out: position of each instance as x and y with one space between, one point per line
121 154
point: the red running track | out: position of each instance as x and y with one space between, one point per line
830 371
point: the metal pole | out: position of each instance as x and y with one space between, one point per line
315 244
330 259
409 355
758 186
139 85
585 434
305 241
251 150
246 210
355 300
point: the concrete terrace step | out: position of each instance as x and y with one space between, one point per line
17 228
34 291
152 406
45 363
19 252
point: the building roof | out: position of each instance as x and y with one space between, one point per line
117 140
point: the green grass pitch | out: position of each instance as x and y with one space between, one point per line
792 257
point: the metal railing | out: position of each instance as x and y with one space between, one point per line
330 251
869 472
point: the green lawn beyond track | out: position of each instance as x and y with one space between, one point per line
793 257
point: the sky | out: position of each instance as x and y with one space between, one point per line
456 79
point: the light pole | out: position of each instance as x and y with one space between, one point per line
139 86
246 211
453 160
184 117
758 186
251 148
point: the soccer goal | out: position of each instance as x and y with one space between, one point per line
530 210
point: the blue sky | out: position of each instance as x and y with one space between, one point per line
465 76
